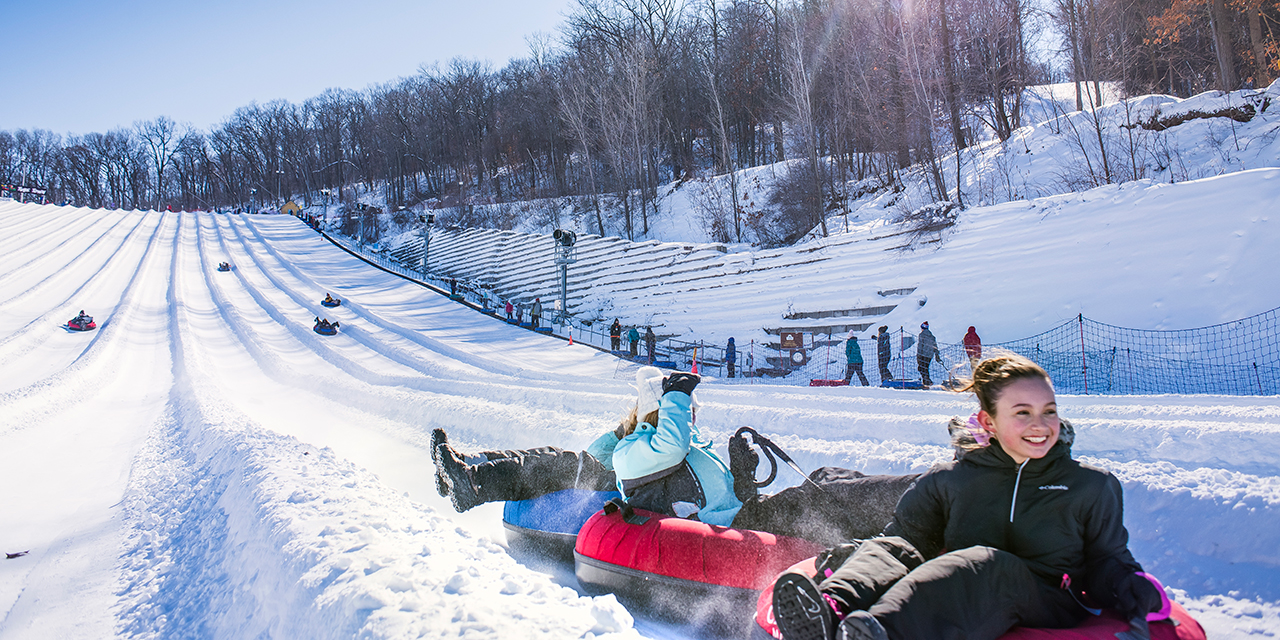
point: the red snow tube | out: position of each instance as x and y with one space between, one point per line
1102 627
82 325
682 569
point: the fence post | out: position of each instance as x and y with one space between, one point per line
902 360
1257 377
826 371
1084 362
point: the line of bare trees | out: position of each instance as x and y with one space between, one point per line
634 94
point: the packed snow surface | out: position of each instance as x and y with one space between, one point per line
204 465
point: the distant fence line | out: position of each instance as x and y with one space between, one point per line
1083 356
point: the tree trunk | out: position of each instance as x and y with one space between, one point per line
949 68
1222 45
1262 74
1073 34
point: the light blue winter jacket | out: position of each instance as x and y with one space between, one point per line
602 448
650 449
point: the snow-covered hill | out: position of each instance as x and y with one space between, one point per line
1058 150
203 465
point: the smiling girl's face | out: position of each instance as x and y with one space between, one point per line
1026 419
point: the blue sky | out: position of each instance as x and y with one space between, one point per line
79 66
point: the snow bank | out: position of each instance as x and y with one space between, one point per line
239 532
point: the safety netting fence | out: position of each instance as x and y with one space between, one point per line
1085 356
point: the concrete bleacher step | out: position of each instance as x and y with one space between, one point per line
842 313
819 322
831 329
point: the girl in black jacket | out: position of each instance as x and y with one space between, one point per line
1009 534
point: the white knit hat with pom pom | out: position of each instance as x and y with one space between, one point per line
648 390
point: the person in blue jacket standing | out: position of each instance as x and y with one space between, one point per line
853 354
633 337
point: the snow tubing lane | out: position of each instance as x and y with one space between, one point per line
548 525
1102 627
683 569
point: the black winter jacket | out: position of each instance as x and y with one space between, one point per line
1062 517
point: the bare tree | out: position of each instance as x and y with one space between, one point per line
160 136
724 158
798 89
577 96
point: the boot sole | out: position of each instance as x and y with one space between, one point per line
800 610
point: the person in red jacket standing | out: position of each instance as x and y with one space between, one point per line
973 347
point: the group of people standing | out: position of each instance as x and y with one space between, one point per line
633 340
927 352
535 312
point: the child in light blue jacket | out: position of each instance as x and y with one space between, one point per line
666 466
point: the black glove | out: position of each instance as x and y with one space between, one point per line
682 382
1136 596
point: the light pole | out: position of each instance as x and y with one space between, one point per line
279 175
426 221
564 256
253 196
324 193
361 207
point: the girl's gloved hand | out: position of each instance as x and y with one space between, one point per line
682 382
1136 596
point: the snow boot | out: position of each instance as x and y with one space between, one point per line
438 437
742 466
462 488
861 625
800 610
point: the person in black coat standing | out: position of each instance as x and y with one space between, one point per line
731 357
615 335
883 353
1014 532
650 343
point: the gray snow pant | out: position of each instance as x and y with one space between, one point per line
845 505
529 473
977 593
